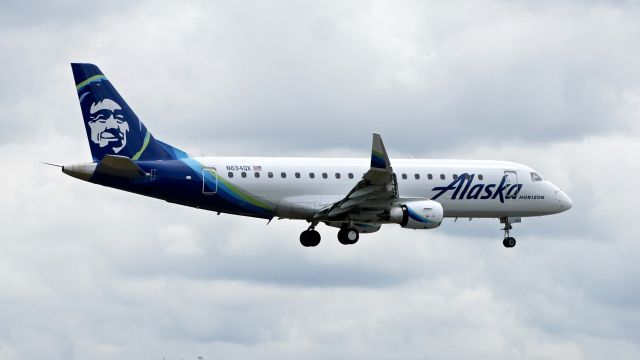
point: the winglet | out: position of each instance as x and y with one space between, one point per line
379 157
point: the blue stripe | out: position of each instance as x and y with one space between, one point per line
415 216
378 162
225 192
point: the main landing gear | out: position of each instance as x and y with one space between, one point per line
311 238
508 241
348 236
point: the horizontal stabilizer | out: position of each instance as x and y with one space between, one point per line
120 166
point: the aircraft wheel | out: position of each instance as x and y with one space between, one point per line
309 238
509 242
348 236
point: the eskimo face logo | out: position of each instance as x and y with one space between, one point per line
108 125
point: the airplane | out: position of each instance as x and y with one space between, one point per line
355 195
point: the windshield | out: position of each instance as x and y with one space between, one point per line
535 177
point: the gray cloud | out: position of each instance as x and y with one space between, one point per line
87 271
420 73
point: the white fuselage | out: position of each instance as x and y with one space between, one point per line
305 186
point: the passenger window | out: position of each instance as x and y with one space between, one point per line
417 176
535 177
230 174
350 175
243 174
297 175
467 176
283 175
441 176
429 176
269 174
337 175
312 175
480 177
404 176
257 175
324 175
455 176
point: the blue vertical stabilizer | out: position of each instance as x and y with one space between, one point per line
112 127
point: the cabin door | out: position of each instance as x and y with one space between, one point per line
209 181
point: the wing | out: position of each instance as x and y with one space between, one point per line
366 201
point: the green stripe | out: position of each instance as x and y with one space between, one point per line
144 146
244 195
241 193
91 79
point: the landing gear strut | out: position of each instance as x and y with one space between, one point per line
348 236
310 237
508 241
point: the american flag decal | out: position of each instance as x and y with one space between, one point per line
257 168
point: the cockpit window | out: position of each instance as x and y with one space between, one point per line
535 177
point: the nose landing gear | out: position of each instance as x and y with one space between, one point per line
508 241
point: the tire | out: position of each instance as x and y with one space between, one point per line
348 236
309 238
314 238
509 242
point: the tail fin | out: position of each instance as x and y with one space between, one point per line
112 127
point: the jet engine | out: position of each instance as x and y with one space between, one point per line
419 214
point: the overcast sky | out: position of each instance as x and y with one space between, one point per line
88 272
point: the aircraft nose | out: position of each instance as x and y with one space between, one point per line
565 200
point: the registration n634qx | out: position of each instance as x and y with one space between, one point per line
357 196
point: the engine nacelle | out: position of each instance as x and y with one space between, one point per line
419 214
